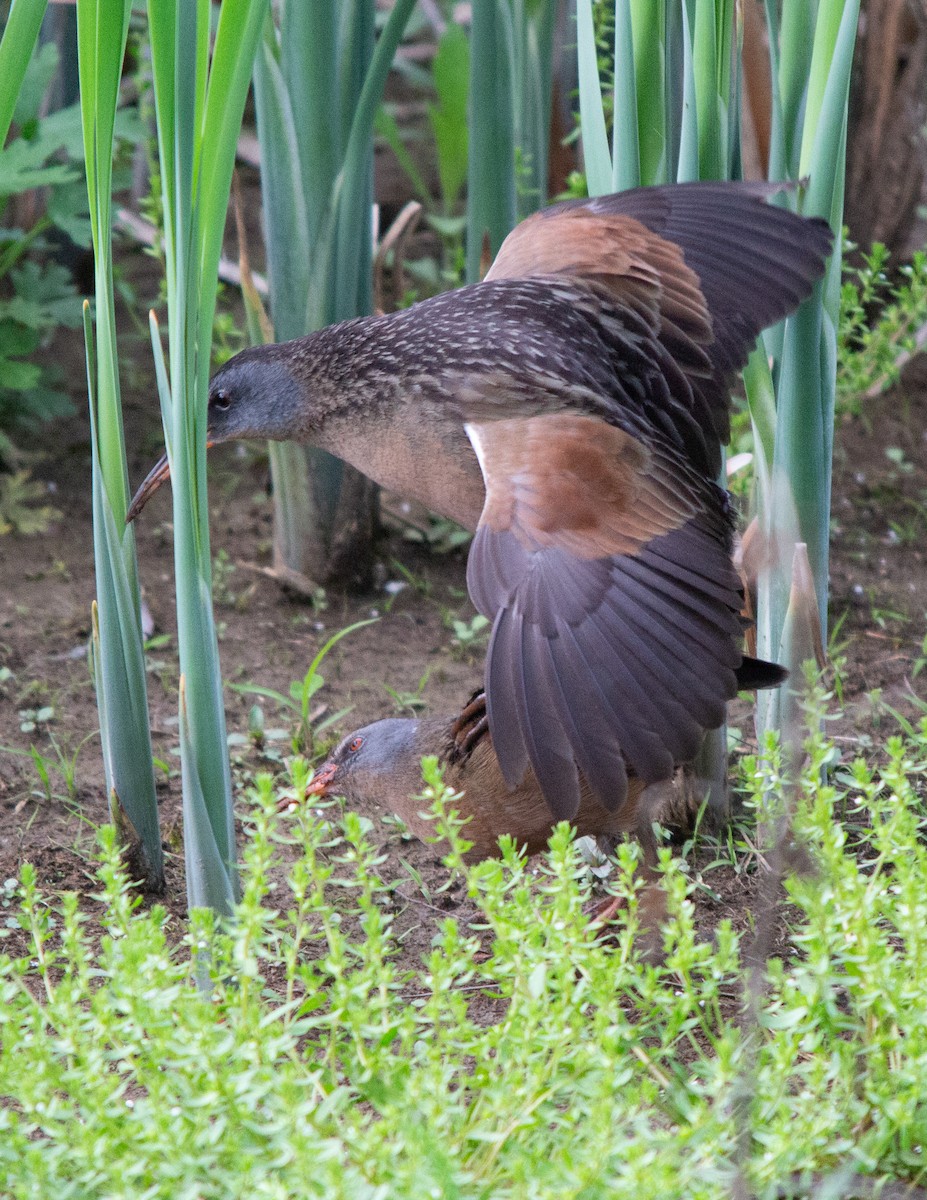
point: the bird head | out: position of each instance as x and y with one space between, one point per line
380 762
254 395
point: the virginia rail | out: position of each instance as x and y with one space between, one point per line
571 409
382 763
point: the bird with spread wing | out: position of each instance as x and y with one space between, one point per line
571 409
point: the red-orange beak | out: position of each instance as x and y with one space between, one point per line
160 472
321 784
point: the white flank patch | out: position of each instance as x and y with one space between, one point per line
474 433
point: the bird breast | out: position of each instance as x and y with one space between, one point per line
417 449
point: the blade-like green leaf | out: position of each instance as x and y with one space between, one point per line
706 69
287 206
649 29
118 658
211 876
309 62
596 154
778 156
351 204
449 116
490 178
16 46
796 42
626 172
688 166
198 104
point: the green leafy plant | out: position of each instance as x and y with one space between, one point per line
117 658
22 507
61 765
37 292
447 118
302 692
468 636
510 103
38 296
519 1048
882 324
200 85
318 81
16 45
676 116
407 699
811 58
448 121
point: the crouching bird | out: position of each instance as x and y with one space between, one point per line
382 763
571 409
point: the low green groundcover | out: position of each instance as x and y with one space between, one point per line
287 1058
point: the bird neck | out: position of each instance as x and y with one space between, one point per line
370 408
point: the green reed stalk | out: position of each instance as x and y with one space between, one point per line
118 656
511 47
811 122
19 37
688 127
199 100
319 77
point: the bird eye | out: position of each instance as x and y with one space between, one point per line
355 744
222 401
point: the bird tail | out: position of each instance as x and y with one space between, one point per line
754 673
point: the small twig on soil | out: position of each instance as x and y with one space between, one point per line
292 580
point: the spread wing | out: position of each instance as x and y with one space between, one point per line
710 265
603 551
605 564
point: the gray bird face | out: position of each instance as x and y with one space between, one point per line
380 762
254 395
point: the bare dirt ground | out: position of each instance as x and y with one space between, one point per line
267 639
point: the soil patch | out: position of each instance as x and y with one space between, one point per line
406 660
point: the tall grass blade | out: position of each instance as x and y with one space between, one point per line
791 402
804 440
797 36
199 100
354 187
650 77
626 154
533 40
778 141
491 193
706 69
19 37
118 658
687 168
596 155
318 85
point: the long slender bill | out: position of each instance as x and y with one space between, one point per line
158 474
